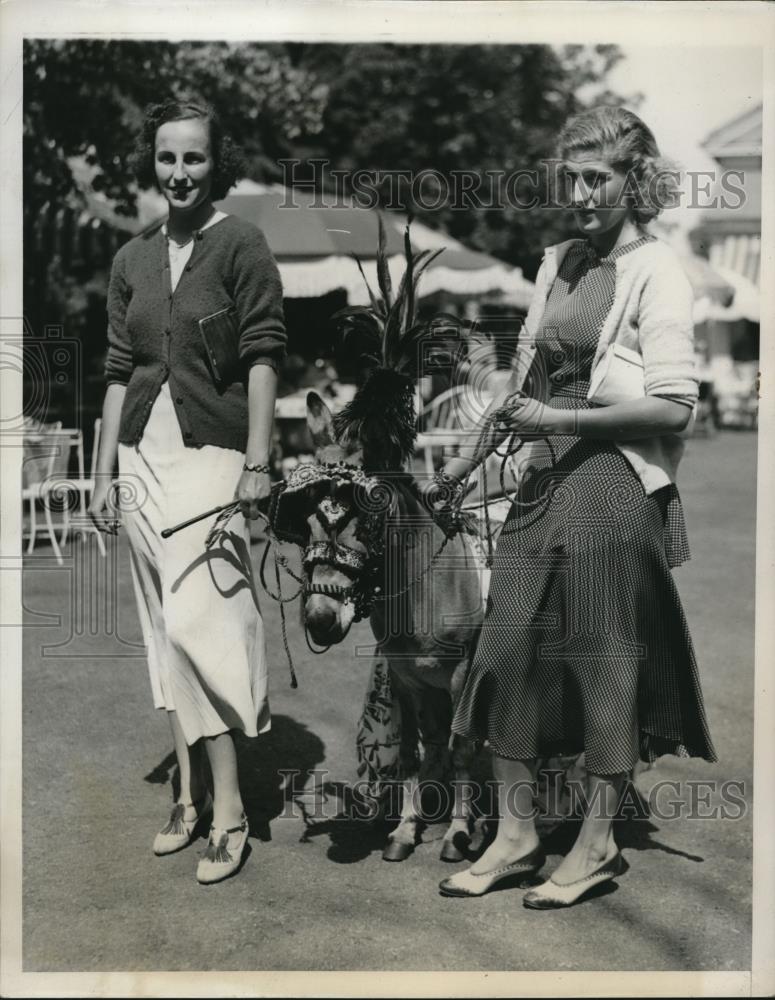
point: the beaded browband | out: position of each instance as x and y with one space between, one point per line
371 509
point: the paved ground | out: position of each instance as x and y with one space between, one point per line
97 772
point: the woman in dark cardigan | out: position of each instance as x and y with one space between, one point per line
195 335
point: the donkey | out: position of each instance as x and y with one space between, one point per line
378 550
373 547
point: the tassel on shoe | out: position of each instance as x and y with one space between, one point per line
218 862
219 852
175 825
179 832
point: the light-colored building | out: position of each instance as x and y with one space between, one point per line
728 235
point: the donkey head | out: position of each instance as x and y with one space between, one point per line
336 509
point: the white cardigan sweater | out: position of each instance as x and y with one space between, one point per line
651 314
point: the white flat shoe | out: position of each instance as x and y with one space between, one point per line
469 884
179 832
550 895
223 855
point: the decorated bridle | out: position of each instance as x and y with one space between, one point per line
371 506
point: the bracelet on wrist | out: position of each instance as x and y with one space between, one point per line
262 467
450 487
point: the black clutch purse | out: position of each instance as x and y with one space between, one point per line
220 337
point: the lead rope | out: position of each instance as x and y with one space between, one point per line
294 682
511 450
219 525
459 502
279 559
487 523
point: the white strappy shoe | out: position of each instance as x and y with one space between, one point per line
179 832
550 895
469 884
224 853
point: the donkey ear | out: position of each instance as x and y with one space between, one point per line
319 421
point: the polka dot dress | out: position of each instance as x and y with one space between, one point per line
585 646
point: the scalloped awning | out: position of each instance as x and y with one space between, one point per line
312 240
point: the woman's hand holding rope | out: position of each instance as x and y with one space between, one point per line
528 418
254 486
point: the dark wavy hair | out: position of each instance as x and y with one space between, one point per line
628 144
228 160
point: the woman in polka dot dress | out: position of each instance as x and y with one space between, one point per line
585 646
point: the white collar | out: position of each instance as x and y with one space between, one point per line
217 216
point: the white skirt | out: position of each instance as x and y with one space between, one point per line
198 607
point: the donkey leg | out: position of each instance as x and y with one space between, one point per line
457 839
403 838
433 767
439 765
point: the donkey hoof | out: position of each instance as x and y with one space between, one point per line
397 850
450 851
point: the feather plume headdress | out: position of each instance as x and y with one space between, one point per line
395 346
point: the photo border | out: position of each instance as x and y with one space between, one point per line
554 21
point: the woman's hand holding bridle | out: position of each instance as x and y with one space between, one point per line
528 418
252 488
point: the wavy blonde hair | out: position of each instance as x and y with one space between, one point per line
628 144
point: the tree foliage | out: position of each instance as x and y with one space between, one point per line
447 108
85 98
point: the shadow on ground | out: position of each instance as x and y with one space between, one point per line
272 767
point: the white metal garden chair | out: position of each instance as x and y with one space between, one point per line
441 425
84 486
46 462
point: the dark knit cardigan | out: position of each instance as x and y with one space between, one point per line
154 334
